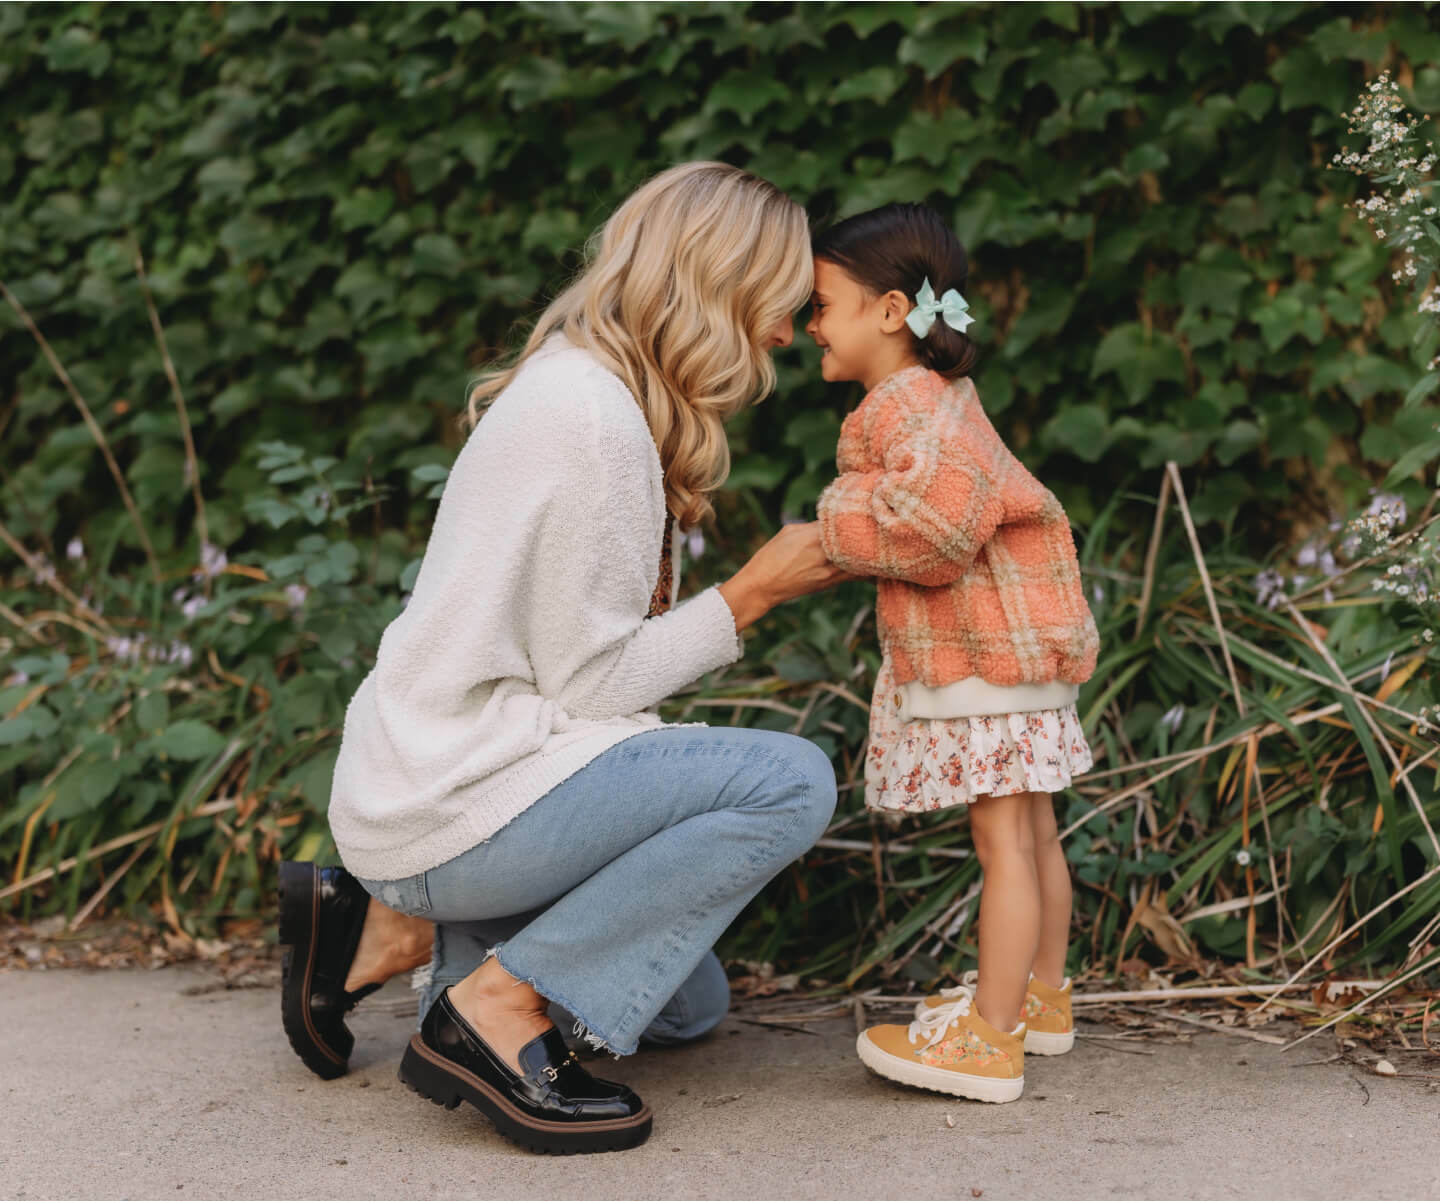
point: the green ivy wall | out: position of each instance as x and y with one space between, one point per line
344 209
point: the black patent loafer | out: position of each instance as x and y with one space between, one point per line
552 1105
322 911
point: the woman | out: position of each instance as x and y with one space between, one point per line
501 773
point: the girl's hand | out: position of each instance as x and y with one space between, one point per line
791 564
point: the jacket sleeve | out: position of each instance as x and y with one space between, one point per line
923 516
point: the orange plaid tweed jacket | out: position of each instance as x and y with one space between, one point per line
976 563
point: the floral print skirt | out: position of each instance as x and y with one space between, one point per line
925 764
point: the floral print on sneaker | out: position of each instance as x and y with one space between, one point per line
965 1049
1036 1008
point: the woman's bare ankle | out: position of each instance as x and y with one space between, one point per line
390 943
507 1013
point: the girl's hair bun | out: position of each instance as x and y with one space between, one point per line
896 248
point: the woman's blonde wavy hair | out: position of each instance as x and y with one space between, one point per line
682 288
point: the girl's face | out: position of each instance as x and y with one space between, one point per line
862 337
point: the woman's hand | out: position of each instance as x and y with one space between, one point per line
791 564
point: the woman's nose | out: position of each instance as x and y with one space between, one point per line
783 334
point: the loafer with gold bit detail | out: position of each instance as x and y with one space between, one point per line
552 1105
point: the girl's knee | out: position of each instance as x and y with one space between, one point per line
1002 825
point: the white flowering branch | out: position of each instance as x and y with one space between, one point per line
1403 214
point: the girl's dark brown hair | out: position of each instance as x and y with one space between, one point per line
898 247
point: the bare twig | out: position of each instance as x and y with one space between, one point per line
892 848
1219 1028
192 461
49 577
1359 1005
114 844
89 907
1150 555
1202 993
1355 925
1174 469
95 431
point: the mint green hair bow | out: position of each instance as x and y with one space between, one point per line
952 306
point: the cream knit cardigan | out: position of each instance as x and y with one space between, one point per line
524 651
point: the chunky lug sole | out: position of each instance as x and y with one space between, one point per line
442 1082
940 1080
299 927
1045 1042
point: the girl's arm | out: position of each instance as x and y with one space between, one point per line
924 515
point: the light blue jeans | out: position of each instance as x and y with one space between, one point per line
608 892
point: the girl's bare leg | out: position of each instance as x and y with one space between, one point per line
1002 827
1053 874
390 943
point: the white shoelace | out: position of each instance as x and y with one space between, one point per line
933 1023
966 987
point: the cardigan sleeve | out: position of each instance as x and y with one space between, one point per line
660 657
923 515
616 661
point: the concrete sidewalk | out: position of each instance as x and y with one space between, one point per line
124 1086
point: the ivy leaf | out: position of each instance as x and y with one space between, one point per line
364 206
438 254
533 79
1140 360
1240 438
935 51
225 176
1071 73
878 84
78 49
1306 80
1213 287
745 93
363 285
1048 311
865 19
1080 430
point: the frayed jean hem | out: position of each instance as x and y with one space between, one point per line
584 1028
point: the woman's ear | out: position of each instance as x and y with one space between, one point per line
894 306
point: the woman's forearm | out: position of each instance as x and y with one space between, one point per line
790 565
747 600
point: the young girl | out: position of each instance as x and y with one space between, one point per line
985 632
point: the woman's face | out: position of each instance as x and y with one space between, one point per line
846 323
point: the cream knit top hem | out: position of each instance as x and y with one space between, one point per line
975 697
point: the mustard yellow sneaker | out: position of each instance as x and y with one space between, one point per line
954 1051
1049 1023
